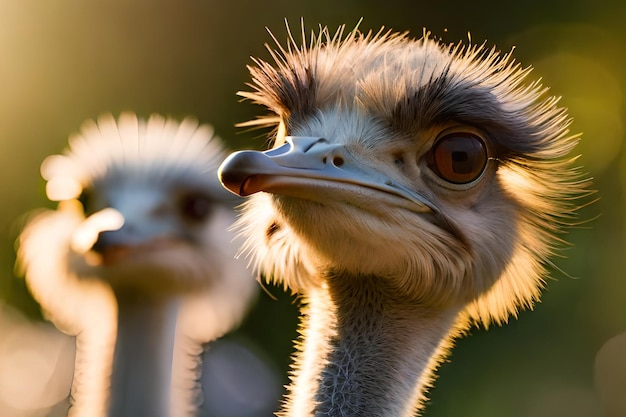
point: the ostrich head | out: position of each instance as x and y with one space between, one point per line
402 172
155 220
141 224
431 165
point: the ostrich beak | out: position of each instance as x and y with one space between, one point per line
128 227
304 166
88 231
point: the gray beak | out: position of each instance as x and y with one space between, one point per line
305 165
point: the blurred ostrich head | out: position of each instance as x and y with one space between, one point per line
151 183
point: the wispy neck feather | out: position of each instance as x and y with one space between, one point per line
367 350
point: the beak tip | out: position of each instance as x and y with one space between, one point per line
235 171
231 183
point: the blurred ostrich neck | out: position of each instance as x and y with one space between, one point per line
144 352
368 350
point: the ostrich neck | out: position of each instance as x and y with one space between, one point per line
368 350
144 349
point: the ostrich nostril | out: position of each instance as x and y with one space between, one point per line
338 161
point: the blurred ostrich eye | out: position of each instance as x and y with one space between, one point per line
195 207
459 157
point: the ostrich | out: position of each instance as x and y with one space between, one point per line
137 261
413 189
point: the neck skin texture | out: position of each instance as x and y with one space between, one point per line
141 383
367 350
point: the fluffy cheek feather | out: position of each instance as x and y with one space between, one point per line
228 285
522 279
274 251
69 302
289 239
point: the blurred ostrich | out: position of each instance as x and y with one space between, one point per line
413 189
139 235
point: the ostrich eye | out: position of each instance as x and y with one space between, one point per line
459 157
195 207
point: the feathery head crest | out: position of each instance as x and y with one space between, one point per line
131 145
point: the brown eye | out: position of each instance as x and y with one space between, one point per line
195 207
459 157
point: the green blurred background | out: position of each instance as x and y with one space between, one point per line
62 62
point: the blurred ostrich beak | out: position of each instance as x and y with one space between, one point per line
87 234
